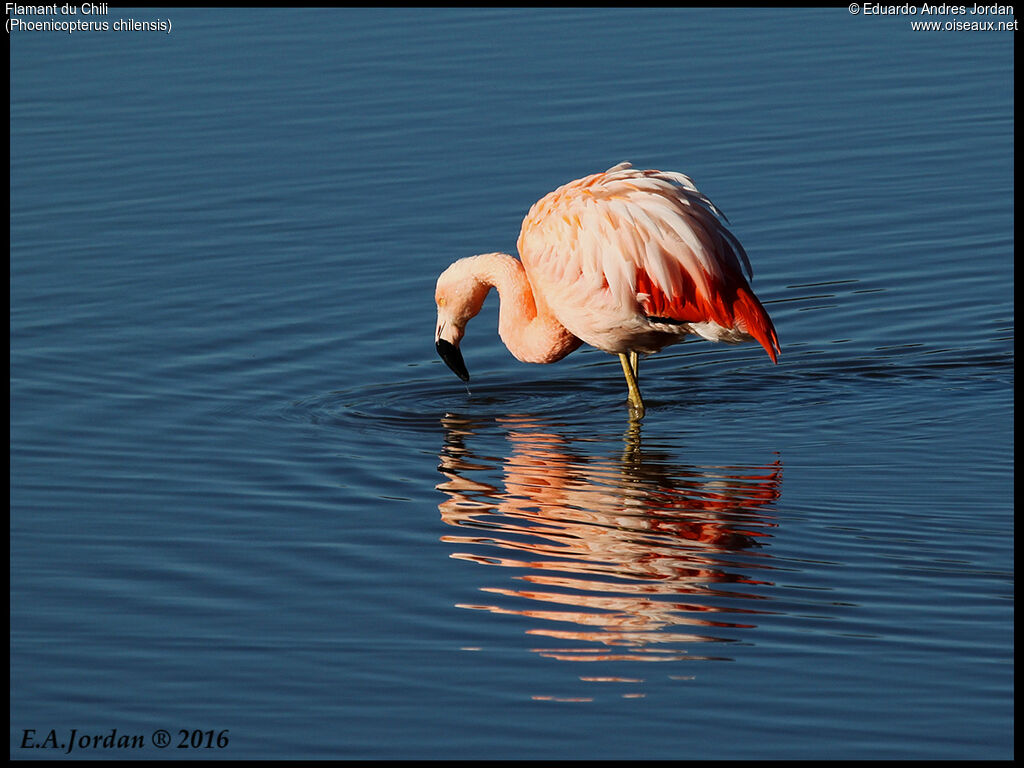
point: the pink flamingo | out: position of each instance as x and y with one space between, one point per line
627 261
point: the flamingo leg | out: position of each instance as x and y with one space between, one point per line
636 402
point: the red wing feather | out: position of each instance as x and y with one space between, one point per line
734 306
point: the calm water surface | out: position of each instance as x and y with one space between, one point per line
246 496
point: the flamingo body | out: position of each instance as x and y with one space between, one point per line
627 261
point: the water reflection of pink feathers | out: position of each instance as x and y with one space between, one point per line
630 554
627 261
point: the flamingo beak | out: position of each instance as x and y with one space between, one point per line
452 357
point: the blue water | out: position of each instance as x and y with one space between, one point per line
248 500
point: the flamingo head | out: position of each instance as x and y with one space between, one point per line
459 297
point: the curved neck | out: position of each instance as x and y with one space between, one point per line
525 323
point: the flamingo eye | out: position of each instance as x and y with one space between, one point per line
442 301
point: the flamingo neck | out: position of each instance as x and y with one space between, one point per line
525 323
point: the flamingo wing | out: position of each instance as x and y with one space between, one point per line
649 242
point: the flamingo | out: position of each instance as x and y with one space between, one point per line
628 261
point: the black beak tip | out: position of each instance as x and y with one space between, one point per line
452 357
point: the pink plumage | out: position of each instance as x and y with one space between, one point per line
627 261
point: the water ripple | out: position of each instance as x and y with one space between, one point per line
592 390
417 404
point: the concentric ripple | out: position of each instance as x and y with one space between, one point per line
417 405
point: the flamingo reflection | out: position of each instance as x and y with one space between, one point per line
625 556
